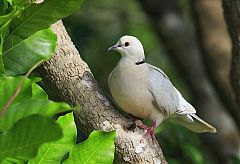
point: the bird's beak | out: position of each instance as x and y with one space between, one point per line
113 48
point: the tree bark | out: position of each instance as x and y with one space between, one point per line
179 41
232 15
216 50
72 81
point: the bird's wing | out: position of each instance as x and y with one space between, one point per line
165 96
185 107
169 101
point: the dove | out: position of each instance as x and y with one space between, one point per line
145 91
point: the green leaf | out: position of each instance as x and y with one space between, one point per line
98 148
13 161
30 90
26 108
53 152
3 32
27 135
8 17
38 92
35 78
5 20
41 16
3 7
20 55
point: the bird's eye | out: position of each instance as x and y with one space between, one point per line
126 44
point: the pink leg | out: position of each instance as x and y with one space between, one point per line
150 130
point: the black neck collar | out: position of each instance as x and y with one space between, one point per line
140 62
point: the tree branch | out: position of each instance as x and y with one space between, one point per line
71 79
232 14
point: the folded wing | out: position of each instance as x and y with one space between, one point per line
170 102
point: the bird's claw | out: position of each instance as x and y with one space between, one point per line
150 131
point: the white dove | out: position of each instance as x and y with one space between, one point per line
145 91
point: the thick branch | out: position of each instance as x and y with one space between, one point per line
232 14
179 41
71 79
216 50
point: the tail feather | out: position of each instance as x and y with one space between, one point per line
194 123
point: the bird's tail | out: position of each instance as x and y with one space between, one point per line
194 123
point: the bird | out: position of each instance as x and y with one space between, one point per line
145 91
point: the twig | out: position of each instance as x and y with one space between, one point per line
17 91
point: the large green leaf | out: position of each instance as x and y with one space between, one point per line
20 55
25 108
24 138
41 16
7 13
98 148
8 86
53 152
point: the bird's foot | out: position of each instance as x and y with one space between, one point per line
150 131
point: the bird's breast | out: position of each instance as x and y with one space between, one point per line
129 89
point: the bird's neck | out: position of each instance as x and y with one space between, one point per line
132 60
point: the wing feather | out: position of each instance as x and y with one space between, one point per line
165 97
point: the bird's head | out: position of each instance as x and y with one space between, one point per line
129 47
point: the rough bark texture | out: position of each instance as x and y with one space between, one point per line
72 81
232 15
178 39
216 50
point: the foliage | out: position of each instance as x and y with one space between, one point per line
98 145
92 150
55 151
28 132
15 60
